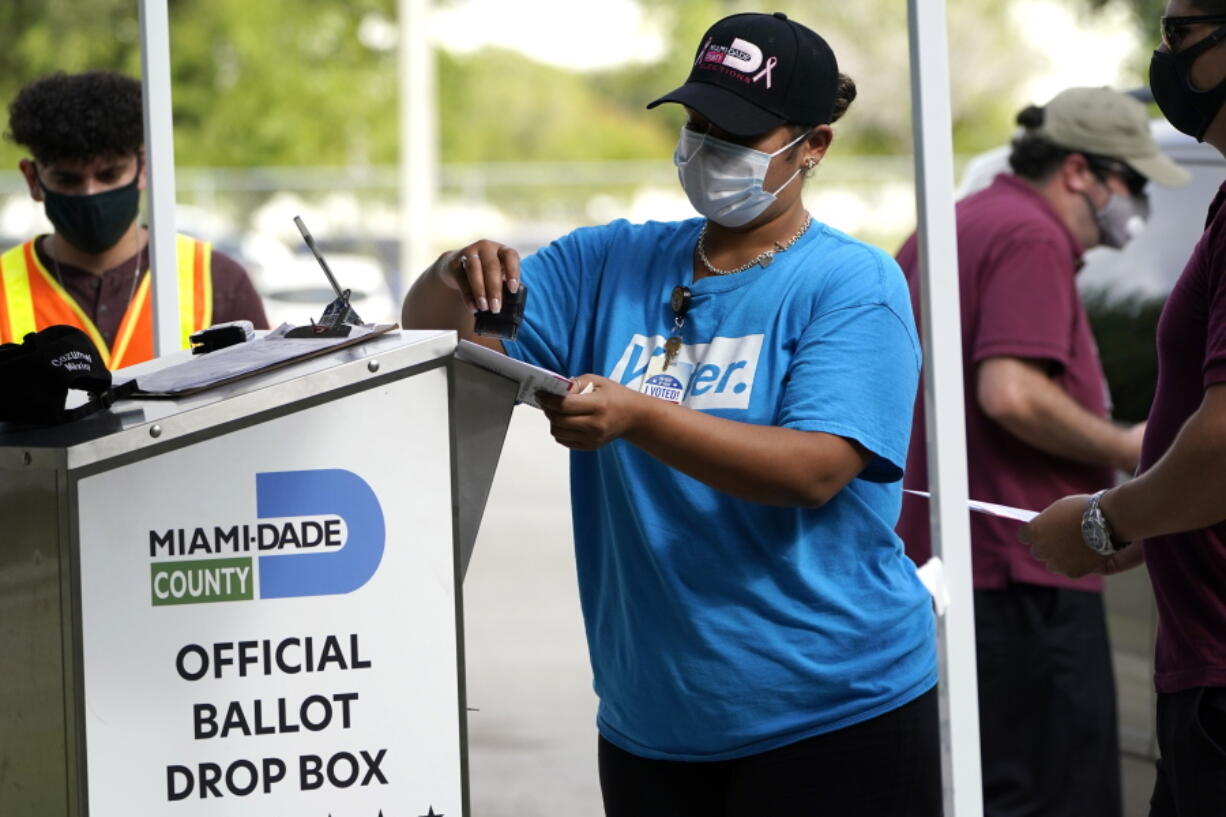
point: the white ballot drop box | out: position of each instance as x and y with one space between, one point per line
248 601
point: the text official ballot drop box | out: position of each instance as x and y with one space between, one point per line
247 602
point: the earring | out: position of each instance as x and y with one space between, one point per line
810 163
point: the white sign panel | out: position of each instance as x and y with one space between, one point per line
269 618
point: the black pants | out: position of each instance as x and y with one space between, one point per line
889 766
1047 720
1191 778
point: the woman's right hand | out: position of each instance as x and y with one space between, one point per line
478 270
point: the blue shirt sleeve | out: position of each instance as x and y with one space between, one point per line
561 279
855 374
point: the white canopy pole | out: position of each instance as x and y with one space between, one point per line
160 173
943 402
418 138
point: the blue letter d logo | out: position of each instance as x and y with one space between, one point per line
317 493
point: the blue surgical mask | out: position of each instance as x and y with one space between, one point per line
724 180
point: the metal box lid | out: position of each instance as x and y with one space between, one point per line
131 425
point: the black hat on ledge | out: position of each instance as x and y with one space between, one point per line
35 376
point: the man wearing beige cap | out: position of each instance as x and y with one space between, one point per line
1038 428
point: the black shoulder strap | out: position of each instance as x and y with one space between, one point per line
101 400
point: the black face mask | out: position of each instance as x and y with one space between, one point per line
1170 80
94 223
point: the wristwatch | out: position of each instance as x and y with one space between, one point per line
1095 530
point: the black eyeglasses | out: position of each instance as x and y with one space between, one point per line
1134 180
1174 29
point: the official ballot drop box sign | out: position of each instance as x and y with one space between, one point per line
268 617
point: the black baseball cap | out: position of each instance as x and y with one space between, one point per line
754 72
35 376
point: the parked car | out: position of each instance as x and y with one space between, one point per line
1124 292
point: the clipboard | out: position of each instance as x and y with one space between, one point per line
273 351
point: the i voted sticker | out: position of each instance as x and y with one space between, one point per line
665 387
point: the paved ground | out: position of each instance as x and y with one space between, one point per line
532 744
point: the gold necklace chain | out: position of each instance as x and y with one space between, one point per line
55 267
765 258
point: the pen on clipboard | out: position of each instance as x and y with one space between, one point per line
338 316
310 242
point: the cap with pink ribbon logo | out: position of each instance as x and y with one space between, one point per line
754 72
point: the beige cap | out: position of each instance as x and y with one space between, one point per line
1111 124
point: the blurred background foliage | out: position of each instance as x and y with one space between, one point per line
1145 14
1124 329
303 82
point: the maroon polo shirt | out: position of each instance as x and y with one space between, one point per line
1017 261
104 298
1188 570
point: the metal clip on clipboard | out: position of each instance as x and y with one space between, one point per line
338 316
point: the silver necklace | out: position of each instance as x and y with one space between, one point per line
55 267
764 258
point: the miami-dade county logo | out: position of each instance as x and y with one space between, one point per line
327 539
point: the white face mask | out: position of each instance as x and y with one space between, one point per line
1121 219
724 180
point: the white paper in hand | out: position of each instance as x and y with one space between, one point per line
531 378
990 508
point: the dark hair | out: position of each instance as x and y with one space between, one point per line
1033 157
1210 6
843 97
78 117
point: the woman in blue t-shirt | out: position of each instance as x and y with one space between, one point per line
758 639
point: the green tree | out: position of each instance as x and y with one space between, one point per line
871 41
499 106
1125 329
289 82
273 82
38 37
286 82
1145 13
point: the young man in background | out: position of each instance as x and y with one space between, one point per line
85 136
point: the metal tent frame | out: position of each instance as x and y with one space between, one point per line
943 401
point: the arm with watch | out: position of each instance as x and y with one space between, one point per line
1184 490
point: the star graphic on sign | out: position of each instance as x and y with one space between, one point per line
431 813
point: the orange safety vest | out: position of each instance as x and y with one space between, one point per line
32 299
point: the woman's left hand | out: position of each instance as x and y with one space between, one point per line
596 411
